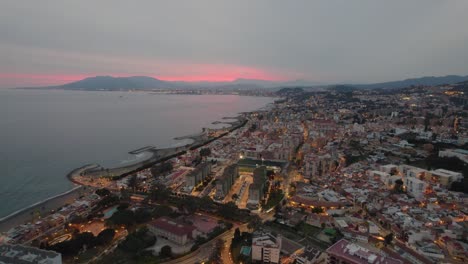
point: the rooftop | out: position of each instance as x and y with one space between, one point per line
173 226
23 255
357 254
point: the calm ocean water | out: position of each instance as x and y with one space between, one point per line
45 134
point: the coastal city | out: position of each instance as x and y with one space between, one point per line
335 175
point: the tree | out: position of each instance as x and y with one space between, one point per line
138 241
192 204
162 168
388 239
229 210
160 193
123 217
317 210
166 252
103 192
133 182
398 186
427 122
254 222
161 210
205 152
105 236
253 127
237 235
142 215
123 206
73 246
205 202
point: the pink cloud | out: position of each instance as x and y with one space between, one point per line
214 72
74 66
173 72
24 79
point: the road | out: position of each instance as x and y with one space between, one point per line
205 250
120 237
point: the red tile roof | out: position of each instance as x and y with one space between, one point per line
173 226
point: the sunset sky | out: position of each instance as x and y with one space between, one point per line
54 42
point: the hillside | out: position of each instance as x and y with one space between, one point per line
117 83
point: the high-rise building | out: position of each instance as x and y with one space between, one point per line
256 189
266 248
225 182
198 174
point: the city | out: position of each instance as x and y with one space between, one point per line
337 175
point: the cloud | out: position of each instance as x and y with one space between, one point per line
328 41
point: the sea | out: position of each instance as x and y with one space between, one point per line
44 134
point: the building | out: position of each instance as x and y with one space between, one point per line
458 153
415 187
24 255
173 230
318 165
225 182
309 256
196 176
444 177
256 189
344 251
266 248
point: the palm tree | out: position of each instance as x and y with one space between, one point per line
133 182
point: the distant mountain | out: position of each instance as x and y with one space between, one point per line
117 83
426 81
271 84
148 83
342 88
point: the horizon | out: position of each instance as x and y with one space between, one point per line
212 41
75 78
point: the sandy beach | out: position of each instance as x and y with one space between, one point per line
53 203
43 207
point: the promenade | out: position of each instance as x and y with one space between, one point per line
42 208
46 206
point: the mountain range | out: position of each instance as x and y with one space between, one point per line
425 81
148 83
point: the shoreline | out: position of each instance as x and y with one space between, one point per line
47 205
44 206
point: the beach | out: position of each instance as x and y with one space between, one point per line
43 207
95 170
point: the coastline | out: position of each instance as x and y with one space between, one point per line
43 207
158 155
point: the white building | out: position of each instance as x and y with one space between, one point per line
415 187
266 248
445 177
172 230
23 254
459 153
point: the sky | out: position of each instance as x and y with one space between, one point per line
331 41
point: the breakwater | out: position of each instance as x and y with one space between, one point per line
161 155
157 156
